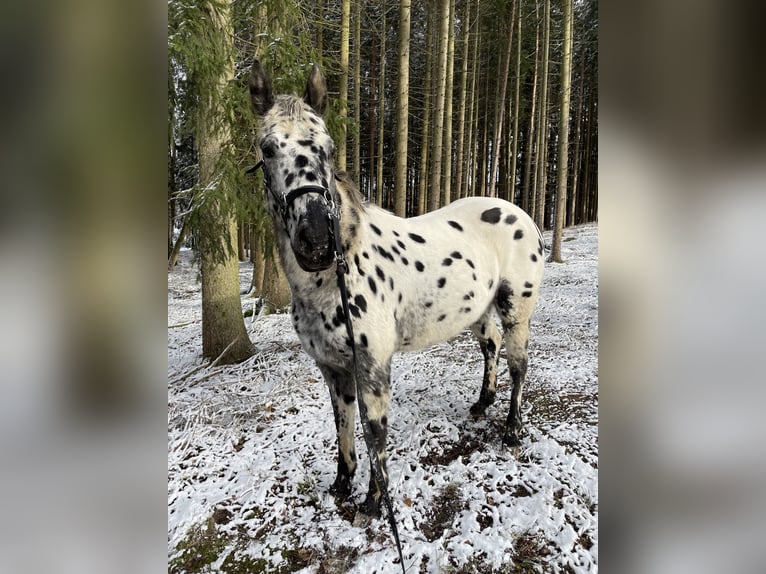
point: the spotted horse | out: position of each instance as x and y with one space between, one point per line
410 282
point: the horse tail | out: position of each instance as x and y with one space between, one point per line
546 246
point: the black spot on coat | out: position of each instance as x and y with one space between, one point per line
416 238
491 215
456 225
361 302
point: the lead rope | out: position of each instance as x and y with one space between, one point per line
341 267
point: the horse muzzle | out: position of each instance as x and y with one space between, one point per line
312 242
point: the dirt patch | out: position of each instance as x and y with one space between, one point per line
444 508
531 551
472 439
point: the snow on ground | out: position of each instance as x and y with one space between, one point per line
252 452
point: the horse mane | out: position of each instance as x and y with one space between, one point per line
348 190
292 106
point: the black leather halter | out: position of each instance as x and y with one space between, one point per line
285 200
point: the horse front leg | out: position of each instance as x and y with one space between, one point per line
374 401
343 396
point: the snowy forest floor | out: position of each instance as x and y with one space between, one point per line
252 452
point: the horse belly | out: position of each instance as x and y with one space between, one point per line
435 315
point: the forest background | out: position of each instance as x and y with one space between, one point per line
429 102
681 141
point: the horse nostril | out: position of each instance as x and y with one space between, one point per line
310 239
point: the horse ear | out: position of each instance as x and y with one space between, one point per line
316 91
260 89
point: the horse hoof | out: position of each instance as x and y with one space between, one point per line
511 440
369 508
478 410
340 489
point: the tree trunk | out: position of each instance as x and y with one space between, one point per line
356 171
268 281
222 321
500 107
462 100
345 32
485 140
470 178
241 240
380 187
515 143
563 152
578 137
275 291
171 165
542 131
174 253
441 83
447 161
528 194
372 116
427 111
402 110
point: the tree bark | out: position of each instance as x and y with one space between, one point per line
473 121
542 131
174 253
462 101
345 32
380 184
563 152
515 142
484 140
356 172
450 80
500 107
402 110
576 155
427 112
222 320
441 83
528 194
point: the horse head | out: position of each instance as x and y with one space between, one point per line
297 153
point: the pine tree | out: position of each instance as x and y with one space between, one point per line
563 153
402 109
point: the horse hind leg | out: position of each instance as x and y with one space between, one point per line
515 313
485 330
